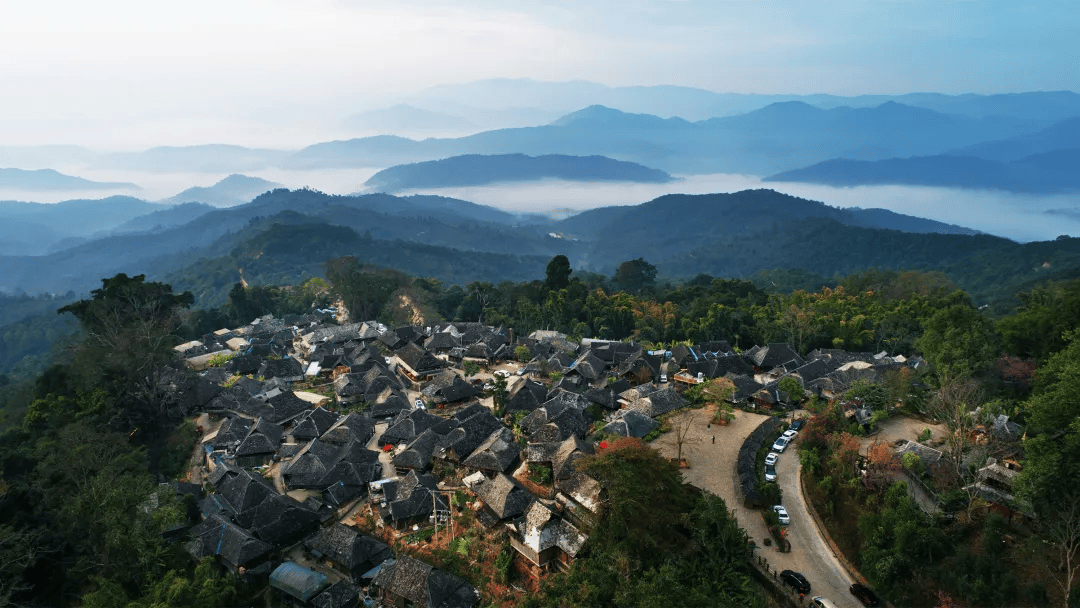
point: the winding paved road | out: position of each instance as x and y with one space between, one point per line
712 468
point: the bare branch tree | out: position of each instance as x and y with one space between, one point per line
1059 525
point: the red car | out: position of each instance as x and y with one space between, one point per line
865 595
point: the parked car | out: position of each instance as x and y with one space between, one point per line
865 595
770 472
781 444
781 514
420 404
521 372
796 580
772 458
824 602
790 434
798 424
663 378
501 372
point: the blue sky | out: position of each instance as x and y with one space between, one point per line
74 68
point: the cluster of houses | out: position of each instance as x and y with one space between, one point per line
286 470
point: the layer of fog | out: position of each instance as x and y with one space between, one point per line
1015 216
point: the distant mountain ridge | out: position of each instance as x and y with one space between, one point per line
481 170
232 190
1046 173
49 179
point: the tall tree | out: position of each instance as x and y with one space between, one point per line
129 329
635 275
558 273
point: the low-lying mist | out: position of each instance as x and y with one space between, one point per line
1016 216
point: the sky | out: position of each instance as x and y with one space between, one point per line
123 73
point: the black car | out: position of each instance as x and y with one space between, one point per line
798 424
865 595
796 580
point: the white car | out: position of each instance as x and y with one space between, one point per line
501 372
420 404
781 513
772 458
663 378
790 434
770 472
781 444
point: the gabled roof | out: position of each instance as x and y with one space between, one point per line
263 437
236 400
244 491
217 537
526 396
417 455
418 359
339 595
346 546
281 520
287 369
588 366
541 529
504 497
407 426
411 496
287 406
460 442
231 432
353 427
458 390
313 423
658 402
630 423
496 453
561 454
423 585
603 397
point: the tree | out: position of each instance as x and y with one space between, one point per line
364 291
499 395
129 329
522 354
634 276
682 425
558 273
792 387
954 404
959 341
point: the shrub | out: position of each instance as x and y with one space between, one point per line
925 435
219 360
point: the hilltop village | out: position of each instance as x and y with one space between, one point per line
334 458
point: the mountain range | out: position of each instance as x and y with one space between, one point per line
1045 173
284 236
482 170
758 135
49 179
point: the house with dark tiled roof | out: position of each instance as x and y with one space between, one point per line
496 454
501 496
408 425
287 369
470 433
630 423
589 368
417 364
260 445
560 455
410 500
652 401
347 550
233 547
542 539
339 595
313 423
410 582
417 455
555 422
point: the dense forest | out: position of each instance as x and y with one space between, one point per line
88 440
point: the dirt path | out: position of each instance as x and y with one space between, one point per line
712 468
